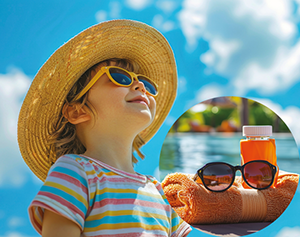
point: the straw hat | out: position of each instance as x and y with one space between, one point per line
126 39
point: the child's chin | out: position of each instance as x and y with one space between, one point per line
146 119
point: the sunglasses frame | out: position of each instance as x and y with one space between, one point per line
199 173
105 69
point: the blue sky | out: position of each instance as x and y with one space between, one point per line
248 48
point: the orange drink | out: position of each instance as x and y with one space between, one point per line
258 146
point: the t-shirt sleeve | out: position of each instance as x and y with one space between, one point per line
65 192
179 228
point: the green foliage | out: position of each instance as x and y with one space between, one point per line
214 115
260 115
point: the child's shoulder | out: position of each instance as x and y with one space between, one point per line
80 167
152 179
80 163
75 159
155 182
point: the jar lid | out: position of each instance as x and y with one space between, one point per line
257 131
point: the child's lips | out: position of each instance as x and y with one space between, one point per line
140 100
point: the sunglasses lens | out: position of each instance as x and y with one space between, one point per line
217 177
120 76
258 175
149 86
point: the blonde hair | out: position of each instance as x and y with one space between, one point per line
63 139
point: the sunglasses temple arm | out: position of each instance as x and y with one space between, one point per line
196 176
90 84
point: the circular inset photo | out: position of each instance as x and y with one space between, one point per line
229 166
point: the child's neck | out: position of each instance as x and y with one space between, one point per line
114 151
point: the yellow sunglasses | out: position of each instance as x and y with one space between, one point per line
121 77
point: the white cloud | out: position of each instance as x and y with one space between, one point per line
206 92
277 12
283 73
16 221
115 9
192 20
15 234
219 54
114 12
289 232
298 12
162 25
166 6
289 115
181 85
252 43
209 91
13 87
138 4
101 16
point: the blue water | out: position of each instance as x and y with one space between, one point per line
187 152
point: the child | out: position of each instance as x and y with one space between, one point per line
98 98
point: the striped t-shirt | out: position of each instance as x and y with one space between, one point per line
105 201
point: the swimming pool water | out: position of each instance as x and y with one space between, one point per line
187 152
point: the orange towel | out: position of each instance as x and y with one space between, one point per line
196 205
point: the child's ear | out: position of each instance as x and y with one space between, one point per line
75 114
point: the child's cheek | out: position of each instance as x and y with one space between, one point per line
152 105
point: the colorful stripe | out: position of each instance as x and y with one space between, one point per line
105 201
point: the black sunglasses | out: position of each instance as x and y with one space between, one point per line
219 176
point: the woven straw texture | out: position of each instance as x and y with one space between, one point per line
126 39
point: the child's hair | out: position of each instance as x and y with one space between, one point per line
64 138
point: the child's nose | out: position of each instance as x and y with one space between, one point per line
138 85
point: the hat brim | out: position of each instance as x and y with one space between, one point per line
125 39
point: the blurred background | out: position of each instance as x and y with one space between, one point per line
212 130
227 114
245 48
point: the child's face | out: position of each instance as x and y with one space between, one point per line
126 105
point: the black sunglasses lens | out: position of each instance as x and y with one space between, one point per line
217 177
258 175
149 86
120 76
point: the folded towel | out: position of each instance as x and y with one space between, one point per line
197 205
